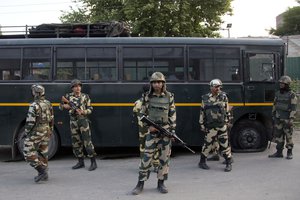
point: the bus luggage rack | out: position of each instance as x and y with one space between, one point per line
103 29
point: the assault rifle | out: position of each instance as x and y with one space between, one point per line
74 108
165 132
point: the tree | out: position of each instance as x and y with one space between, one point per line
155 18
291 23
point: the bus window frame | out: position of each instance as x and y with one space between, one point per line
215 58
182 46
276 64
85 61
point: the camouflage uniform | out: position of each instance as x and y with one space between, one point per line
214 116
80 127
283 113
38 129
160 109
142 133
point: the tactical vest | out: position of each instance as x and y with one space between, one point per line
43 113
214 112
283 105
158 109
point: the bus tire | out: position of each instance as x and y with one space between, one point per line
53 147
248 136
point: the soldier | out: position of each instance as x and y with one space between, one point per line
79 106
157 104
143 130
283 115
214 117
38 129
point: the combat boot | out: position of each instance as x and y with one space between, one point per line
202 164
228 167
93 164
161 187
231 161
289 154
43 175
80 164
214 157
277 154
138 188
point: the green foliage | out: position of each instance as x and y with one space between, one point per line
291 23
295 86
155 18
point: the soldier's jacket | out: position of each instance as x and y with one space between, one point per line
214 110
82 102
161 109
285 105
39 116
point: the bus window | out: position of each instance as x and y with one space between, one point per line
261 67
200 64
36 63
101 64
138 63
227 64
10 64
170 62
208 63
70 63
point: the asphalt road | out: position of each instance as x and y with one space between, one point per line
254 176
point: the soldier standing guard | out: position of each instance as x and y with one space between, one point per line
283 115
143 130
158 104
214 117
79 106
38 129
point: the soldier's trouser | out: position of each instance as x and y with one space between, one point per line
81 137
36 148
215 146
142 139
163 144
283 132
222 138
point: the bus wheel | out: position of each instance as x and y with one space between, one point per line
248 135
52 148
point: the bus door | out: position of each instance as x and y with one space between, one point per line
260 78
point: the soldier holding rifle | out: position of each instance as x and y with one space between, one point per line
158 105
79 106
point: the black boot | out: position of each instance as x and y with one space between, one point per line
138 188
93 164
278 154
202 164
231 161
214 157
228 167
289 154
80 164
161 187
43 175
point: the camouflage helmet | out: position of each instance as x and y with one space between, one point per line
157 76
37 90
215 82
285 79
75 82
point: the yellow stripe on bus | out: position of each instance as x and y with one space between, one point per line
132 104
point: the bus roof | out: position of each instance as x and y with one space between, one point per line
143 40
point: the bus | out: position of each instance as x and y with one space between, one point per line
114 70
